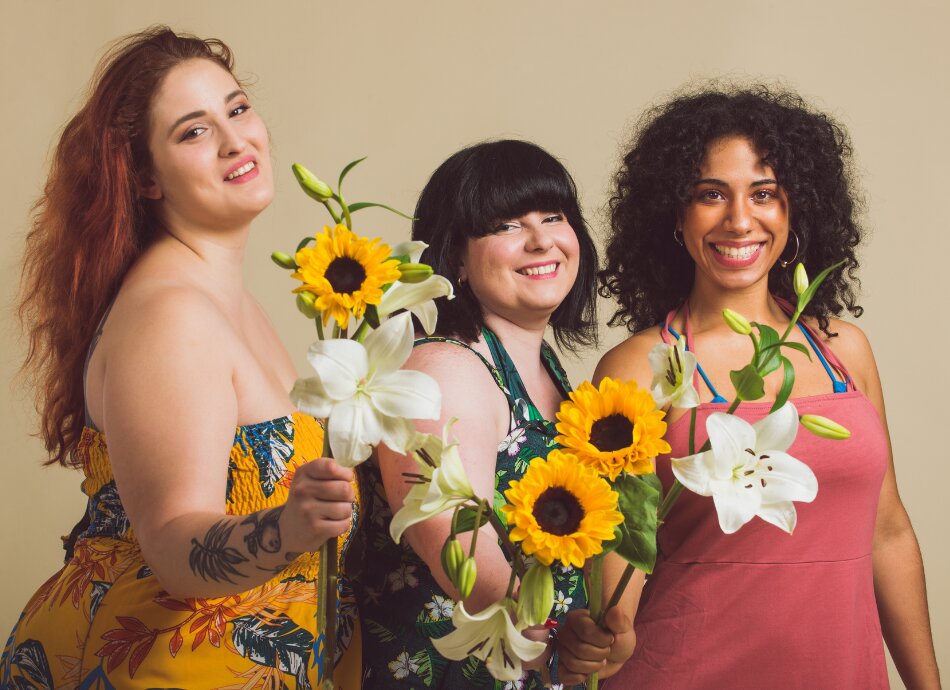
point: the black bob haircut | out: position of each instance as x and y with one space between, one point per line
468 195
649 274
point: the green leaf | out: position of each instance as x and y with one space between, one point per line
382 633
748 383
767 360
639 496
466 520
359 205
303 243
800 347
788 381
371 315
349 166
805 297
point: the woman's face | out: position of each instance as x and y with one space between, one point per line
211 166
525 268
736 226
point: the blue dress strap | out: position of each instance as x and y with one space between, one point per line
716 397
836 385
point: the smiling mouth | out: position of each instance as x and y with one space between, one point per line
243 170
538 270
739 253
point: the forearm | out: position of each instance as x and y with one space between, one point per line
902 605
210 555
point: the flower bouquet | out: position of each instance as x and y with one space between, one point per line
359 293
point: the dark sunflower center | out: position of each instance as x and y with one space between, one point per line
346 275
611 433
558 511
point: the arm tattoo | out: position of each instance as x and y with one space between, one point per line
266 533
213 559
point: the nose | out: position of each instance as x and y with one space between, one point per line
537 239
740 216
232 141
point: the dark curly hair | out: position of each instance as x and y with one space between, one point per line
466 197
649 274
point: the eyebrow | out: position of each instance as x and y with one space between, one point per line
722 183
200 113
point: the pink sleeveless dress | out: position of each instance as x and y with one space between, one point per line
762 609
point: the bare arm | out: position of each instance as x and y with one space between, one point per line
169 411
469 394
898 567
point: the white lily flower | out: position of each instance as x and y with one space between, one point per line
440 485
418 298
673 368
748 472
364 395
490 636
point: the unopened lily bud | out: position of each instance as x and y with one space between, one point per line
800 281
314 187
824 427
737 322
284 260
452 557
466 577
536 596
306 304
414 273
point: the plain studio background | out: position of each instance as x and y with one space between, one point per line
409 83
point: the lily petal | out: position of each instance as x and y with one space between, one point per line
730 437
390 345
777 431
353 430
407 295
411 248
735 506
782 515
428 315
309 397
694 472
789 480
340 364
397 433
406 393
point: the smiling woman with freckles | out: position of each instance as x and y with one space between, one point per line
719 196
161 378
503 223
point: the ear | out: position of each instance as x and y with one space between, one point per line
149 188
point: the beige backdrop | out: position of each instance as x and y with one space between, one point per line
410 82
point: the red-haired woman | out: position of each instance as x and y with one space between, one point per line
193 564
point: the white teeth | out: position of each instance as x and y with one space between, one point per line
743 252
539 270
244 169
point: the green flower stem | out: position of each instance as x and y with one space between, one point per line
346 211
507 546
597 611
478 522
333 214
361 331
326 592
618 591
319 322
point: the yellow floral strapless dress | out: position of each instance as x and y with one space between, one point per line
104 621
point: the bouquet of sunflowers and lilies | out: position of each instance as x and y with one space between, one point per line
597 493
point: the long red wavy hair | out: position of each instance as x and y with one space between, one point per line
92 222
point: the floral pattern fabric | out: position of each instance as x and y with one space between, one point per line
400 603
104 621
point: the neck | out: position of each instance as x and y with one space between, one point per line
523 343
754 302
219 254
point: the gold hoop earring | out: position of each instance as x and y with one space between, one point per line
785 262
678 236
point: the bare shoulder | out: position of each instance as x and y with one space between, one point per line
451 364
629 359
852 347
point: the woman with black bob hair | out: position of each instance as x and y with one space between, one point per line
503 223
722 192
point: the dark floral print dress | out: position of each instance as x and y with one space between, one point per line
400 603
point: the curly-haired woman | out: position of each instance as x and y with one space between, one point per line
721 193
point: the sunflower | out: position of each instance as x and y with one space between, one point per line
614 428
345 272
561 510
